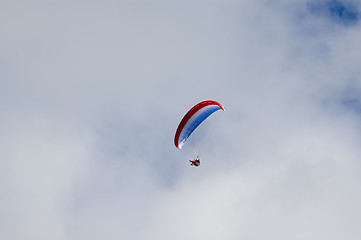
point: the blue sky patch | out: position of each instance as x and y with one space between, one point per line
350 98
339 12
352 103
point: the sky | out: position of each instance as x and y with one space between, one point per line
92 93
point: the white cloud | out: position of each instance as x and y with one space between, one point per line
91 96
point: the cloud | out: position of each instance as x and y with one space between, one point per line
92 94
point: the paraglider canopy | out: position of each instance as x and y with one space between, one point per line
193 118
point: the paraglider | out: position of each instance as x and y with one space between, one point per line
196 162
193 118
